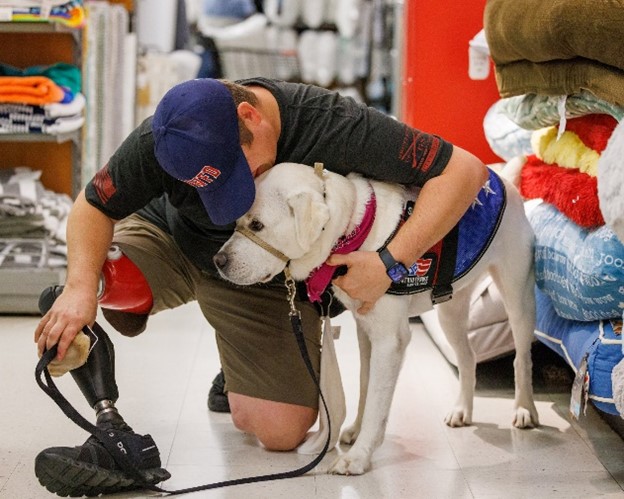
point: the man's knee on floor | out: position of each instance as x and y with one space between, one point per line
278 426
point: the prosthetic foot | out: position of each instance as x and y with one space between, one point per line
90 469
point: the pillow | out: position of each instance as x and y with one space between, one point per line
535 111
599 341
581 270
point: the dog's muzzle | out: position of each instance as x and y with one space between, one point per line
263 244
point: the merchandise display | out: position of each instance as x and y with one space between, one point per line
560 77
344 44
533 89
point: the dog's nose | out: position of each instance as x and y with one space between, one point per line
220 260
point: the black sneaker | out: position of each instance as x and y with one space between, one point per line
90 470
217 399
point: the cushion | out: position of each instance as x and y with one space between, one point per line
581 270
600 341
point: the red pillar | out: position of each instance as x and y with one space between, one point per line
438 96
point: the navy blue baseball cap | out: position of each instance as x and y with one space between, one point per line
196 140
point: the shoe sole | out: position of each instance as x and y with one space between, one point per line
69 478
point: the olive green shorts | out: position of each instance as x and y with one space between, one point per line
257 348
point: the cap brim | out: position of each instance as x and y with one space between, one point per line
233 199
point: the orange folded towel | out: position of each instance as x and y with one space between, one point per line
37 90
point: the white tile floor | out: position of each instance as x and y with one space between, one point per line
164 376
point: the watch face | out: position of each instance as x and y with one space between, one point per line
397 272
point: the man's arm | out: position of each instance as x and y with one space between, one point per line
441 203
89 235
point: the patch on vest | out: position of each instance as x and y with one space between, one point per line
476 229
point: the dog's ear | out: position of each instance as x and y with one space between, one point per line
311 214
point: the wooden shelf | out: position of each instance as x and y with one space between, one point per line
25 44
35 27
41 137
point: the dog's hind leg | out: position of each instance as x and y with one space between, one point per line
388 329
516 283
350 434
453 316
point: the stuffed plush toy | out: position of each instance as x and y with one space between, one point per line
611 196
563 169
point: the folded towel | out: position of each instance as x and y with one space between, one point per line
69 13
57 126
32 3
63 74
45 112
30 90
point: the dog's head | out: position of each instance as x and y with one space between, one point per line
288 214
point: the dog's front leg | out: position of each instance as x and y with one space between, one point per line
388 344
350 434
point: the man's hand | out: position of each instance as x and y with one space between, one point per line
71 311
366 279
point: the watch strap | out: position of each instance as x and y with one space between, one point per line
387 258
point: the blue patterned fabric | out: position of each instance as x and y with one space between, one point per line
600 341
581 270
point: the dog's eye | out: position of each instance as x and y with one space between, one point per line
256 225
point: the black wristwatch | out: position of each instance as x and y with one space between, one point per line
395 270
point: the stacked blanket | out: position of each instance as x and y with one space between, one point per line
557 48
41 99
560 72
69 13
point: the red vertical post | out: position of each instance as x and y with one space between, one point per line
437 94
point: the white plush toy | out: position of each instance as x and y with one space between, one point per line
611 196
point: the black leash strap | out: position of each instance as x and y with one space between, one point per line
109 440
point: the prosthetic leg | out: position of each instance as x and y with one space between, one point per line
90 469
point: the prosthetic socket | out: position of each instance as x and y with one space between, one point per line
122 288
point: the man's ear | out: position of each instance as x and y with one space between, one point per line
311 214
248 114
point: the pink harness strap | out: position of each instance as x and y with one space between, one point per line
319 279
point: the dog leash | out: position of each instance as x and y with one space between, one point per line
109 439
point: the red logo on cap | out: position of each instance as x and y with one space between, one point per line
206 175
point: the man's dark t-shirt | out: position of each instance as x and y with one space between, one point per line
317 125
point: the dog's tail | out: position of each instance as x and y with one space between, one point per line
511 170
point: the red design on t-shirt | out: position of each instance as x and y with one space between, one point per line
419 149
103 184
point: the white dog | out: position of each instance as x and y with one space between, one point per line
303 214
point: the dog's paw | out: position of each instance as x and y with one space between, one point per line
351 463
457 418
349 435
523 418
